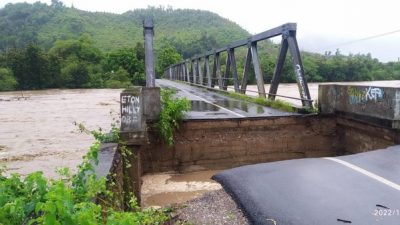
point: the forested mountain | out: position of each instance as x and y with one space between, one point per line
54 46
189 30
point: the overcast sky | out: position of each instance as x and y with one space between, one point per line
322 25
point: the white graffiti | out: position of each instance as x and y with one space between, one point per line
129 119
300 79
298 71
374 93
130 108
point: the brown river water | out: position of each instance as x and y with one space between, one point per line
38 131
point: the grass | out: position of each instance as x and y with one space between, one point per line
276 104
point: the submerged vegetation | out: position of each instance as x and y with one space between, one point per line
172 112
70 199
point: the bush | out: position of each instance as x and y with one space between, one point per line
172 112
75 74
118 79
70 199
7 80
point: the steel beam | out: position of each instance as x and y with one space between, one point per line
217 67
278 69
194 71
178 72
207 70
258 37
187 70
289 42
183 72
255 38
200 72
246 71
214 71
257 70
231 54
298 70
227 72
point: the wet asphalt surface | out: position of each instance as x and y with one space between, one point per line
211 105
358 189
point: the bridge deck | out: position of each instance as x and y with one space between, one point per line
211 105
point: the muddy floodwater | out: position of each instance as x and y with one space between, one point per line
38 131
159 190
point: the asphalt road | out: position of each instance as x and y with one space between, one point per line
211 105
358 189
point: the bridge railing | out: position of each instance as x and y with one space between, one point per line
196 70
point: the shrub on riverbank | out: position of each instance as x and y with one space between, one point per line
172 112
69 199
7 80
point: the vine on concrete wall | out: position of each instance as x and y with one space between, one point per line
172 112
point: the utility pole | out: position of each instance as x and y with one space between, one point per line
148 32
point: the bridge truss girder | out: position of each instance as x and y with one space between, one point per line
203 77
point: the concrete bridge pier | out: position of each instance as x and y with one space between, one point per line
139 105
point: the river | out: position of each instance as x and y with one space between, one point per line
38 129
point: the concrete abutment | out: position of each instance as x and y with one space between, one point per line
341 128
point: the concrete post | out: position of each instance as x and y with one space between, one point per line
148 31
139 105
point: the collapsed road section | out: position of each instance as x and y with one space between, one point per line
355 189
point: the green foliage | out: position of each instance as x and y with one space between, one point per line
7 80
166 56
129 59
78 59
31 67
172 112
189 31
78 49
69 199
75 74
119 79
72 64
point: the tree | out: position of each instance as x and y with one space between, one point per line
131 60
7 80
36 62
166 56
57 4
82 49
118 79
30 67
78 59
75 74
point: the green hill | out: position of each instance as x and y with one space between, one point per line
52 46
190 31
